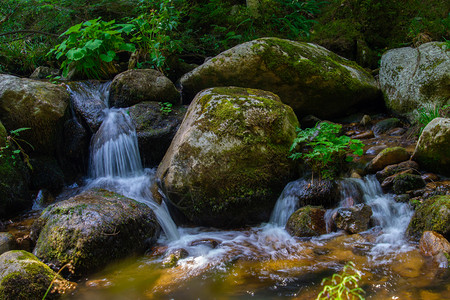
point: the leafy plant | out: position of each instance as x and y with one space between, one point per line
166 108
343 286
53 79
429 113
325 149
12 142
91 47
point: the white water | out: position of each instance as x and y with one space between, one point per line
115 162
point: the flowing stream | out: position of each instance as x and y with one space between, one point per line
264 262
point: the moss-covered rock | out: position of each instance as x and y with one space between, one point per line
433 148
24 277
432 215
412 78
135 86
385 125
407 182
92 230
388 156
307 77
38 105
307 221
155 129
229 161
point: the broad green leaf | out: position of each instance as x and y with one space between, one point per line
74 28
94 44
128 47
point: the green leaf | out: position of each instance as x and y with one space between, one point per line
128 47
76 54
74 28
94 44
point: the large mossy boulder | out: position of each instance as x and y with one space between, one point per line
308 221
433 148
155 129
307 77
14 180
229 162
93 229
24 277
41 106
135 86
432 215
415 77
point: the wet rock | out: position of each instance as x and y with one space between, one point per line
155 129
43 72
396 132
308 221
43 199
375 150
157 251
228 162
7 242
206 242
353 219
406 182
92 230
413 77
46 174
135 86
23 276
385 125
365 135
430 177
39 105
432 149
307 77
388 156
403 198
171 260
432 214
390 170
14 181
432 243
316 192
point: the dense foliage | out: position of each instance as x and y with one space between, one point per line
193 30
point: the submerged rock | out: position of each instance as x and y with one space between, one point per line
415 77
433 148
229 162
353 219
307 221
307 77
41 106
92 230
155 129
432 215
135 86
24 277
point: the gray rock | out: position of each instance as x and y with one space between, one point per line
414 77
306 222
43 72
229 161
305 76
433 148
92 230
7 242
135 86
385 125
353 219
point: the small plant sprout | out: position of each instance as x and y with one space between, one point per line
13 142
59 285
343 286
166 108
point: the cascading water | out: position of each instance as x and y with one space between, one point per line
115 162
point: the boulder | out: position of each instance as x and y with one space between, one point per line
24 277
46 173
7 242
41 106
155 129
135 86
432 243
414 77
385 125
407 182
229 162
432 149
308 221
14 180
43 72
388 156
93 229
353 219
397 168
432 214
307 77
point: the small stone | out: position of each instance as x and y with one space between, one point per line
365 135
388 156
174 256
432 243
366 120
396 132
430 177
353 219
308 221
7 242
385 125
375 150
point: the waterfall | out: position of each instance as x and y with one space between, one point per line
115 162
